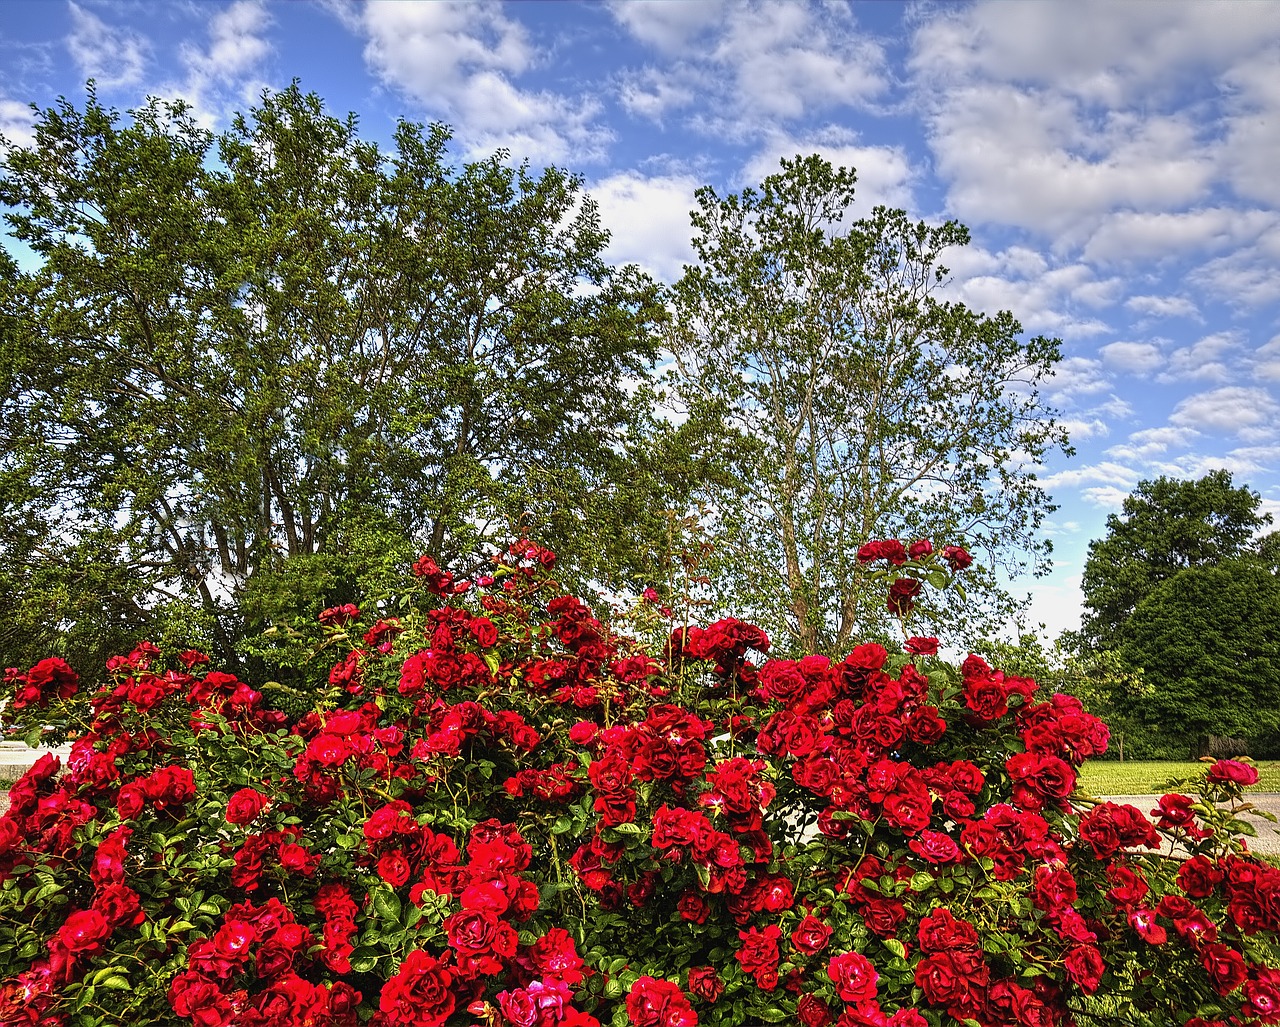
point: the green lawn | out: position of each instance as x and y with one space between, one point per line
1138 777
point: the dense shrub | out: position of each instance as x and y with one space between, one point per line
503 813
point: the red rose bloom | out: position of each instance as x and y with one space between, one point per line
419 994
705 983
811 936
656 1003
1233 772
244 806
1084 967
854 977
902 596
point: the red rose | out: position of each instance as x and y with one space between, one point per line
918 646
1225 967
693 907
83 930
131 800
956 557
811 936
53 675
925 726
1198 877
245 805
191 995
854 977
811 1011
705 983
394 868
758 955
482 943
935 847
657 1003
902 596
1085 967
1233 772
419 994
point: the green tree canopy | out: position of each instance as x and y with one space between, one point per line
1165 526
241 350
1208 641
845 401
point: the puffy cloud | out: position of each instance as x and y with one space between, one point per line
1246 277
116 58
1053 117
1108 497
224 74
755 65
652 94
648 219
1080 428
1075 376
1250 413
1203 359
17 122
669 27
1163 306
1129 235
1148 443
1252 151
1133 357
1107 473
459 60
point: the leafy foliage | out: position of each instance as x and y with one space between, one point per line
1184 590
235 352
845 401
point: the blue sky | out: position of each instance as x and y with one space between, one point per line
1117 163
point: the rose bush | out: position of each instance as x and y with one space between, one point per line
504 813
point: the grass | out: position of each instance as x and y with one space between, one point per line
1142 777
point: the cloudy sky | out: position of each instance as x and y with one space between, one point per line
1116 162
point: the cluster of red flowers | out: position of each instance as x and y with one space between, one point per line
505 814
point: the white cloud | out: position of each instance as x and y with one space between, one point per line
1266 361
1108 497
652 94
1163 306
114 57
1129 235
1075 376
459 61
1107 473
1133 357
1249 413
17 122
1042 300
755 65
1252 151
224 74
1152 442
1053 116
1080 429
1203 359
1247 277
649 220
670 27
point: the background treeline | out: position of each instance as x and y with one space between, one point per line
252 374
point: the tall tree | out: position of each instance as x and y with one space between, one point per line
1165 526
1208 641
853 403
235 352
